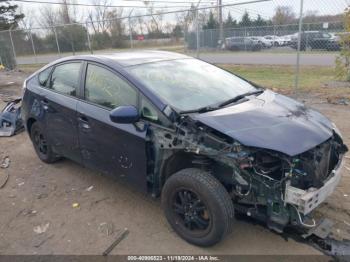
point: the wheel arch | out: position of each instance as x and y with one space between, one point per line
183 160
174 163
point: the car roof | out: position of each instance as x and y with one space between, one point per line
131 58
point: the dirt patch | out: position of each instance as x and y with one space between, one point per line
67 209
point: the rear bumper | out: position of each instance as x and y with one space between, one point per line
307 200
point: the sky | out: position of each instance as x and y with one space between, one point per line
265 9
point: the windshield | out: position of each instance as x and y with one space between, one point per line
189 84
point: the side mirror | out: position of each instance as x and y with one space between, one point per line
124 115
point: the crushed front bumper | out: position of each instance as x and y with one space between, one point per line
307 200
10 118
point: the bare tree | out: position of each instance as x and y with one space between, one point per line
67 13
115 26
141 24
283 15
185 19
97 17
48 17
28 20
155 24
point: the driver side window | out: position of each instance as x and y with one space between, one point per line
105 88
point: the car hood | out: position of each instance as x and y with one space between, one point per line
271 121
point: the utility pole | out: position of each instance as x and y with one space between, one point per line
221 29
197 30
13 46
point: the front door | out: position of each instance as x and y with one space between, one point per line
117 149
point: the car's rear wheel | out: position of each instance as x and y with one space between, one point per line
42 148
197 206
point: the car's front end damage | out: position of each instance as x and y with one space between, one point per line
274 183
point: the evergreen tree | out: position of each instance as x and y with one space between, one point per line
212 23
260 21
177 31
8 16
245 21
230 23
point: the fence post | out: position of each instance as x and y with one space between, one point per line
88 37
33 46
130 30
130 34
13 47
307 37
197 35
244 39
58 46
297 66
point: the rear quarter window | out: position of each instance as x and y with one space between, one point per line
43 76
65 78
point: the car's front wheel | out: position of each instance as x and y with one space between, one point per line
41 145
197 206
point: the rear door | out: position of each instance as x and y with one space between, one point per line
59 103
116 149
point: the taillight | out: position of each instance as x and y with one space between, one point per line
24 85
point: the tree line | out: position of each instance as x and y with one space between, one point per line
60 27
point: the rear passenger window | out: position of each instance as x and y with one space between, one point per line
105 88
65 78
44 76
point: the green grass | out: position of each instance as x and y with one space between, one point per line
312 79
283 77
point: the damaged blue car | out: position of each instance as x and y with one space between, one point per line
206 141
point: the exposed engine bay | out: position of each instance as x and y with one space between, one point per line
271 186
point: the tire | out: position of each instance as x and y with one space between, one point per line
41 146
211 204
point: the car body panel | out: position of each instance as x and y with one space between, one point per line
59 117
115 149
254 147
271 121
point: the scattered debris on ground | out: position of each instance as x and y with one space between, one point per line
90 188
41 228
4 177
5 162
41 242
106 228
122 234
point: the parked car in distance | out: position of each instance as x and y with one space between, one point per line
316 40
274 40
206 141
262 41
287 39
243 44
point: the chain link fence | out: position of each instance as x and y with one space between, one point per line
236 42
322 36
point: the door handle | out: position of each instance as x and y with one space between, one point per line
45 104
84 122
